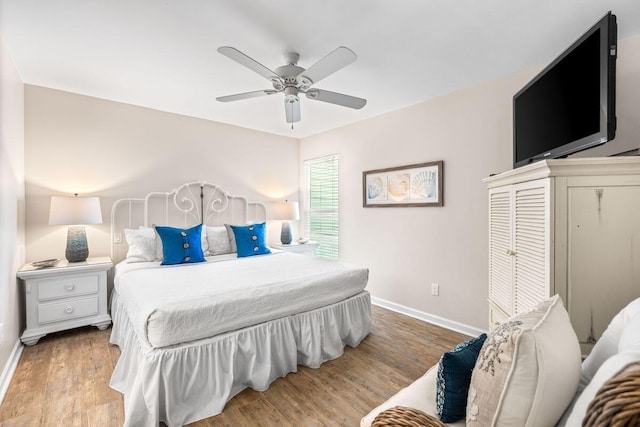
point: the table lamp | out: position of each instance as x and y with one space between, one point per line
75 212
286 211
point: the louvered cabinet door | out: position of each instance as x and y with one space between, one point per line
532 250
500 244
520 247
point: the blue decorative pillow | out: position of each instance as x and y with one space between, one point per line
454 377
250 239
181 246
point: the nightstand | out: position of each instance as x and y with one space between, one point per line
65 296
308 248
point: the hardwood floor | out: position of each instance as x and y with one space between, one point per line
63 380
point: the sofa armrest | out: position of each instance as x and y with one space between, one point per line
421 394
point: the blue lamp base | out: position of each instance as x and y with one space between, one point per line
77 249
285 235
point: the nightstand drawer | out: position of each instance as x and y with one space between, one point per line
67 286
55 312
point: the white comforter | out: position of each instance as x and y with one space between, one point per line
169 305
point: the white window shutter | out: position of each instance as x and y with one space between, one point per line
321 205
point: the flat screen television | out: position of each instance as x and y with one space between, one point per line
570 105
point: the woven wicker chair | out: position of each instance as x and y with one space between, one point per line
400 416
617 403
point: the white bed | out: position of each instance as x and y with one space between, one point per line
192 336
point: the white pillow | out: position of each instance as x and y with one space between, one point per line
527 371
142 245
608 369
218 241
232 238
203 240
607 344
630 336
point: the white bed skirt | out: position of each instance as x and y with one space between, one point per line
185 383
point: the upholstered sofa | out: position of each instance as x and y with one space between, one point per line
560 388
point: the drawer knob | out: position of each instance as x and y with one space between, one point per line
68 310
70 287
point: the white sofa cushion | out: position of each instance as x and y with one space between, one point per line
608 369
421 394
528 370
622 339
608 343
630 336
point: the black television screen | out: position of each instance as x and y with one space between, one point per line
570 105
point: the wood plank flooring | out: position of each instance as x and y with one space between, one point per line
63 380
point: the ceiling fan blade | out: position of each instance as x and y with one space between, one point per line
250 63
336 60
246 95
336 98
292 110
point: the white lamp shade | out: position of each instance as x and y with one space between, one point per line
288 211
75 211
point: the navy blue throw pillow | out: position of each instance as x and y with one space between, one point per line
181 246
454 377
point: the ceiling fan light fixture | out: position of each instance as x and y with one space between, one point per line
289 80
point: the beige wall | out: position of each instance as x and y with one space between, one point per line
11 207
407 249
76 143
97 147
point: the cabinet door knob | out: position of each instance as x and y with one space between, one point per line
68 310
69 286
510 252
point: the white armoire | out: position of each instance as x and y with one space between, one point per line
569 227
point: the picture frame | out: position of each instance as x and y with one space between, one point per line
417 185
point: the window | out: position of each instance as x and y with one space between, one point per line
321 220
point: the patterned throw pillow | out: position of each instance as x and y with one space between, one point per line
527 371
180 245
454 376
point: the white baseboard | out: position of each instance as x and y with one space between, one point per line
10 369
429 318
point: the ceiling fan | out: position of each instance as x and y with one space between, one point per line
293 80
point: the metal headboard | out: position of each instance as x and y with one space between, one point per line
188 205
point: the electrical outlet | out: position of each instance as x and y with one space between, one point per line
117 238
435 289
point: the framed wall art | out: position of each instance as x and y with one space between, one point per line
404 186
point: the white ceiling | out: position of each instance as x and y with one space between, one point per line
162 54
